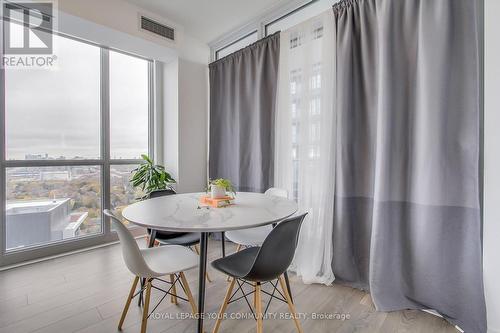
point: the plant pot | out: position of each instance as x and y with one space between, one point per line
217 192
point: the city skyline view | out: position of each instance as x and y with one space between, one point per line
80 185
44 156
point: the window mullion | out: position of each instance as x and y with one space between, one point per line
151 112
2 161
105 138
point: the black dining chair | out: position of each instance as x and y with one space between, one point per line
173 238
256 266
189 239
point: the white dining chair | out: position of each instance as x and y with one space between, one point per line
254 236
150 264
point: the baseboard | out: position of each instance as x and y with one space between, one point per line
29 262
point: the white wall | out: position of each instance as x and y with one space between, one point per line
170 117
73 25
123 16
492 165
193 120
181 79
116 14
185 123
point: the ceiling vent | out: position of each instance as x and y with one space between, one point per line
157 28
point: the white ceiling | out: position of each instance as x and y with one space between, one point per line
209 19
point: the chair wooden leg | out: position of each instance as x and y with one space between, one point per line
188 293
258 307
197 250
291 306
127 305
224 306
173 297
145 311
255 296
238 248
157 242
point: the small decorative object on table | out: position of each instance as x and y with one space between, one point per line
216 203
219 196
219 188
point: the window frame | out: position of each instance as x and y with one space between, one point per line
262 23
251 33
284 16
16 256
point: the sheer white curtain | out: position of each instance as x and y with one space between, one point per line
305 139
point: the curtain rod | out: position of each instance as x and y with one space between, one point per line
237 40
243 49
291 13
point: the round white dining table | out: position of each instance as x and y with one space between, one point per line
184 213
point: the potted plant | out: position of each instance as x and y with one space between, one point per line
151 177
220 187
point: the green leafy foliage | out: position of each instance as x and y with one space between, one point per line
224 183
151 177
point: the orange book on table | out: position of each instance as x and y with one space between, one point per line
216 203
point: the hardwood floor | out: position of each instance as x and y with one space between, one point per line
86 292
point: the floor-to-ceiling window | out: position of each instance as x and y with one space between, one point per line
73 134
129 102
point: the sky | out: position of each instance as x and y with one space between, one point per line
57 111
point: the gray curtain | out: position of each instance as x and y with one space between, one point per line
407 216
242 110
